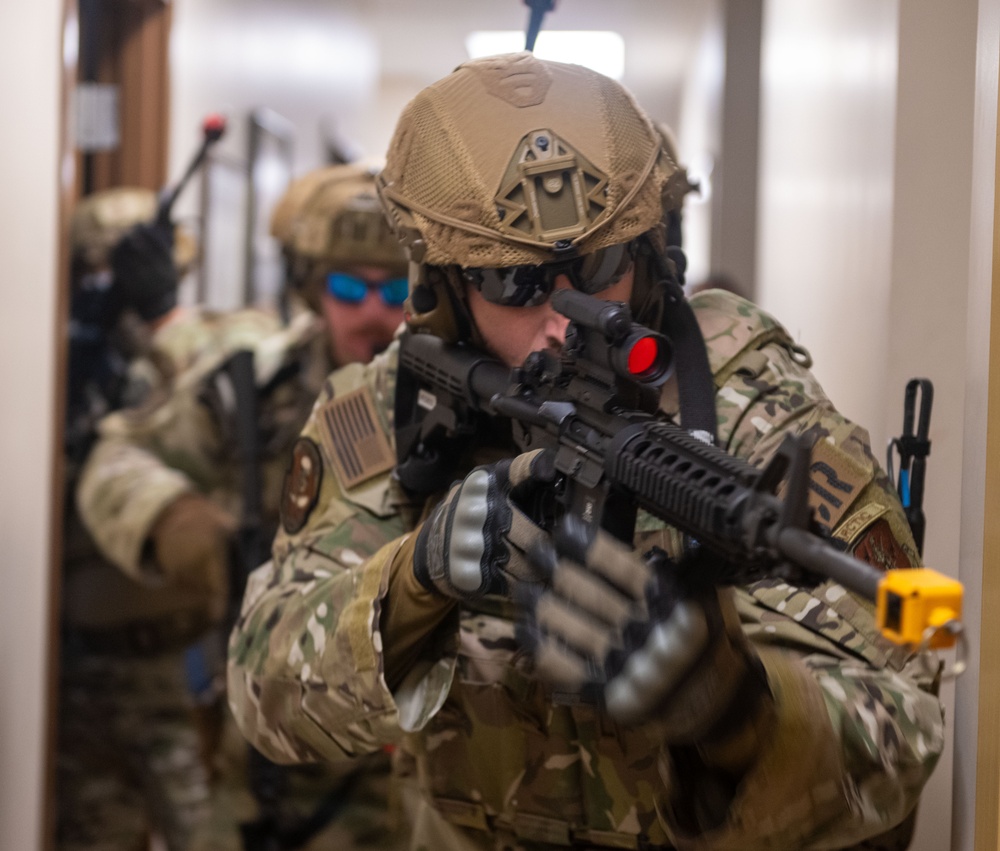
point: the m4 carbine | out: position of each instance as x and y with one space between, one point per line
595 406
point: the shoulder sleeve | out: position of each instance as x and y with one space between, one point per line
123 489
852 748
306 677
171 443
864 710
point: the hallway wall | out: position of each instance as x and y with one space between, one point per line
30 61
864 253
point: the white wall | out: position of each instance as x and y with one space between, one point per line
699 135
929 286
30 58
976 383
826 179
310 61
865 217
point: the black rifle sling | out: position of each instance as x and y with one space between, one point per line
271 830
267 782
240 369
695 383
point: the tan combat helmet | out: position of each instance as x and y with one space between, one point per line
329 219
103 218
512 160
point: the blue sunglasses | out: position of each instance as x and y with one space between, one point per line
353 290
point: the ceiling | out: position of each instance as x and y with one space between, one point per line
359 61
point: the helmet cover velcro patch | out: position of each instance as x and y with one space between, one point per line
523 82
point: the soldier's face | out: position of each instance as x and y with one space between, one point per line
512 333
361 324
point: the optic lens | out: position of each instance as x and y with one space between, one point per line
643 355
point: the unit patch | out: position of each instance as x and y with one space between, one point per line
879 548
353 438
301 486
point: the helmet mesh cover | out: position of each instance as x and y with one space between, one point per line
462 141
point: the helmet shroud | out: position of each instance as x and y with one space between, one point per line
331 218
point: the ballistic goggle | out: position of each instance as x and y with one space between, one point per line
351 289
531 285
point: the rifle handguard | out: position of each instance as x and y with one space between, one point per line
703 492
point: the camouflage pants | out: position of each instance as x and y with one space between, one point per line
129 761
356 799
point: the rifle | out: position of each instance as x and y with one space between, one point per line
97 362
268 781
595 407
913 450
274 829
213 128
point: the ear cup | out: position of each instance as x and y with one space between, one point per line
434 306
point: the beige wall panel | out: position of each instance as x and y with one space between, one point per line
30 62
825 216
865 220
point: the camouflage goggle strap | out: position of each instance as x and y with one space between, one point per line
695 384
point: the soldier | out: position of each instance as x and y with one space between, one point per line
161 491
125 272
340 260
783 721
128 757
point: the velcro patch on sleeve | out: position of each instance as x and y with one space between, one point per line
835 480
850 530
353 439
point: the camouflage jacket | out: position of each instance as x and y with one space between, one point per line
497 763
182 439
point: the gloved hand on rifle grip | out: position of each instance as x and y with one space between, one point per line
190 543
622 629
474 541
144 273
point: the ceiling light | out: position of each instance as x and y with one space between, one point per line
601 51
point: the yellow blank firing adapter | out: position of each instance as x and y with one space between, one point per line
921 608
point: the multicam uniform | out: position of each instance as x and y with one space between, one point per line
183 440
128 753
496 763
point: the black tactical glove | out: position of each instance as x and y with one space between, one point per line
145 275
474 542
621 630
